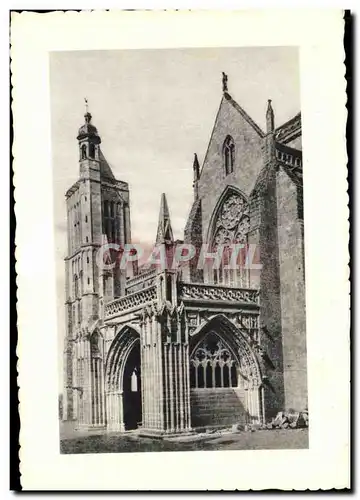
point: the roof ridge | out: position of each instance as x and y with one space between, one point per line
294 118
245 115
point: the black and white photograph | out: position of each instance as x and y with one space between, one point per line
182 250
180 247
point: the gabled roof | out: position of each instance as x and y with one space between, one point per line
227 97
244 114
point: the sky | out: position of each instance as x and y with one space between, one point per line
153 110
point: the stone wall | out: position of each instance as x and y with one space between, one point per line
248 158
215 407
292 291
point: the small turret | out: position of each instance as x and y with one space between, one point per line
270 119
164 232
224 82
270 134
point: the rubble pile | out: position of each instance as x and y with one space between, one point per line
291 418
284 420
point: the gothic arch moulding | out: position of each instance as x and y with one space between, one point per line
222 360
233 340
123 343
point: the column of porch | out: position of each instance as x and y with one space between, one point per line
165 381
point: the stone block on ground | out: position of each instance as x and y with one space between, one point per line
293 416
278 419
303 419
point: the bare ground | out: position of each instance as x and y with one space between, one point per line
132 442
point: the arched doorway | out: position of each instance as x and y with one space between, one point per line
123 381
132 389
225 378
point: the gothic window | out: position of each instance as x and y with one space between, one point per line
113 230
81 282
230 234
229 155
161 288
213 365
92 150
79 313
76 286
83 151
69 318
168 289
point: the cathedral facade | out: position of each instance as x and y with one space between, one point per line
211 342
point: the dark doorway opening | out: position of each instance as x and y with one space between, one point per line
132 389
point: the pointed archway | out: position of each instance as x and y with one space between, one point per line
225 376
123 380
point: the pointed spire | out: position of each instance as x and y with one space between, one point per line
270 119
196 168
224 82
164 231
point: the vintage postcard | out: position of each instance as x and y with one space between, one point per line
182 181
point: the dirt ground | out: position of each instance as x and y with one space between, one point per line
85 442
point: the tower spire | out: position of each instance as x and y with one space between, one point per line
164 231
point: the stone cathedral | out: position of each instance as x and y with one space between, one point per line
166 349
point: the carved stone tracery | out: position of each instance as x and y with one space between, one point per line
208 292
213 364
134 300
232 222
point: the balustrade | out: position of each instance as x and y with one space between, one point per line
130 301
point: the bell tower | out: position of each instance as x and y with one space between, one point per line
98 214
